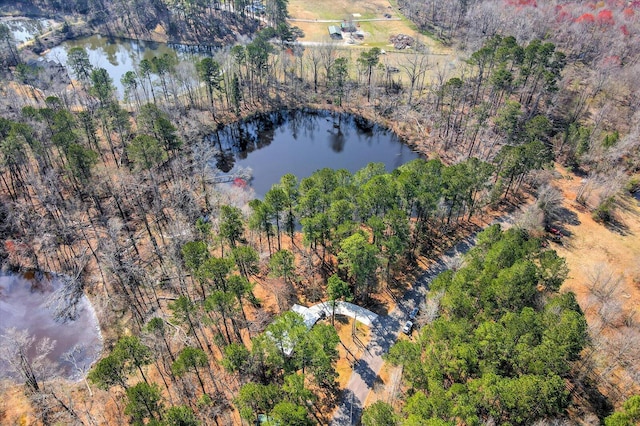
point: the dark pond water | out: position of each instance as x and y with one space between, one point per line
301 142
30 303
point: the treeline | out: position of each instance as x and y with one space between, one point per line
117 194
502 346
115 198
180 20
597 92
501 98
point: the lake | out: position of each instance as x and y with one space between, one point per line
303 141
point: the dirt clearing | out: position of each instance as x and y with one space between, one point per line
604 273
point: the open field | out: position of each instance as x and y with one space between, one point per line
339 9
379 20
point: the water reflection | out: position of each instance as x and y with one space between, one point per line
25 29
32 302
303 141
117 56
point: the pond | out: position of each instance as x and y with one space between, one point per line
117 56
303 141
25 29
37 304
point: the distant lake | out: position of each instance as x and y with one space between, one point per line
117 56
303 141
25 29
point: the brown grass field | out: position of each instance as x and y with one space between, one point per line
377 33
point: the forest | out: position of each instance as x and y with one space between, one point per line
192 283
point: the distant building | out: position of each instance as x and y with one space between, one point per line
348 26
335 32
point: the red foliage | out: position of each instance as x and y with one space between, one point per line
605 17
563 16
611 61
628 13
587 17
520 3
624 30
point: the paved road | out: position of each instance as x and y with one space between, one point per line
384 333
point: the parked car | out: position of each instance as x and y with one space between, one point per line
407 327
414 313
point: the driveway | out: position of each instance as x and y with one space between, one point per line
384 333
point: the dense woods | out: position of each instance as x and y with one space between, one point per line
503 343
115 190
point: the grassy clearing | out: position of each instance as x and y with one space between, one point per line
338 9
377 32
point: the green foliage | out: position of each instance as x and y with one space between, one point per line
109 371
497 350
610 139
359 258
231 224
296 391
379 413
180 416
80 161
128 354
153 121
209 72
146 152
338 77
134 353
254 399
102 88
189 359
236 358
628 416
78 60
194 254
289 413
281 338
246 259
604 212
338 289
281 265
317 355
507 120
144 403
537 128
215 271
